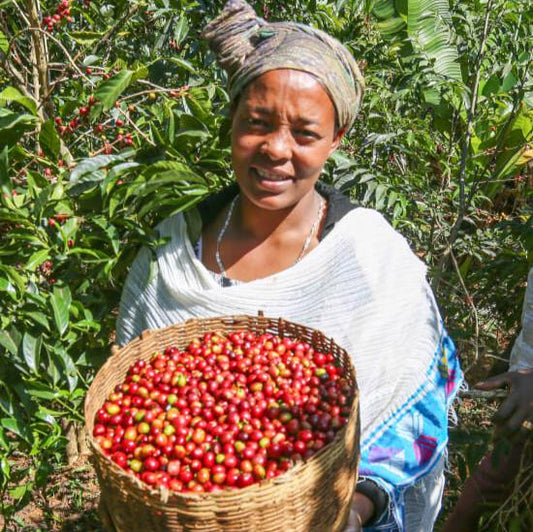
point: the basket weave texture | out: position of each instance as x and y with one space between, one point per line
312 496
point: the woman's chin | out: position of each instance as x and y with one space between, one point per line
269 202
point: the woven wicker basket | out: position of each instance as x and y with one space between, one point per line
311 496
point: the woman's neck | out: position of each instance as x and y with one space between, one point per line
260 224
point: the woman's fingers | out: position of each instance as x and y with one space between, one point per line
506 410
519 422
498 381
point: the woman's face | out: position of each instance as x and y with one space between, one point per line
283 132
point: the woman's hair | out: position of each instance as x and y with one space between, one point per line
247 46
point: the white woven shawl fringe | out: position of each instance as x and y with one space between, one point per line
362 286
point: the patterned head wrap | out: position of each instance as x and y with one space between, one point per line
247 46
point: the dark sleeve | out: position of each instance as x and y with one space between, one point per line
377 495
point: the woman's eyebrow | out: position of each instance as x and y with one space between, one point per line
300 120
259 110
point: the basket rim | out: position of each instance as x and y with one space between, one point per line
164 493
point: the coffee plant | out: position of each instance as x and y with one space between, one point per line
114 116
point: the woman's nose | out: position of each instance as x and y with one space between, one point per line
278 144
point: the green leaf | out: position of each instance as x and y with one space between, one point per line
70 371
176 205
180 170
5 183
6 286
16 426
181 29
3 442
384 9
8 343
141 73
183 64
49 139
45 416
87 166
111 232
20 491
42 391
5 468
37 259
11 94
14 125
4 43
39 317
60 301
31 350
431 32
109 91
85 37
391 26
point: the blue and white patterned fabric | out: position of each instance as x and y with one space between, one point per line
411 445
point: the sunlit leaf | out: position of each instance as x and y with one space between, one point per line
12 94
17 427
181 29
31 350
49 139
13 126
86 37
36 259
91 164
8 342
60 301
4 43
109 91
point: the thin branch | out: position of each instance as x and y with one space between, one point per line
15 75
68 56
502 133
21 13
119 25
454 233
483 394
134 125
39 60
470 302
105 38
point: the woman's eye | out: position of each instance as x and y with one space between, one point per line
257 122
306 134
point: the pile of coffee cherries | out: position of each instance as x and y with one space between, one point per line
226 412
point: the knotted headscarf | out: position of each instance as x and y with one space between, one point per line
247 46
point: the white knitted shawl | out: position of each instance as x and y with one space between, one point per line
362 286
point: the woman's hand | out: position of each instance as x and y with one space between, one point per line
360 512
516 412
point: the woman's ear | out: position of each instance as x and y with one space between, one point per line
339 133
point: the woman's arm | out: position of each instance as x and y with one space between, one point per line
363 507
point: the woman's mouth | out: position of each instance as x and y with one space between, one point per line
272 181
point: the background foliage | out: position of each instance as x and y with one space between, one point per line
113 116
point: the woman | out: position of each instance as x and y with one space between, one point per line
495 478
281 242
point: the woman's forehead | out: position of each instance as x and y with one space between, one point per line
289 90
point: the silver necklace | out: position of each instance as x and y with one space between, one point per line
312 232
